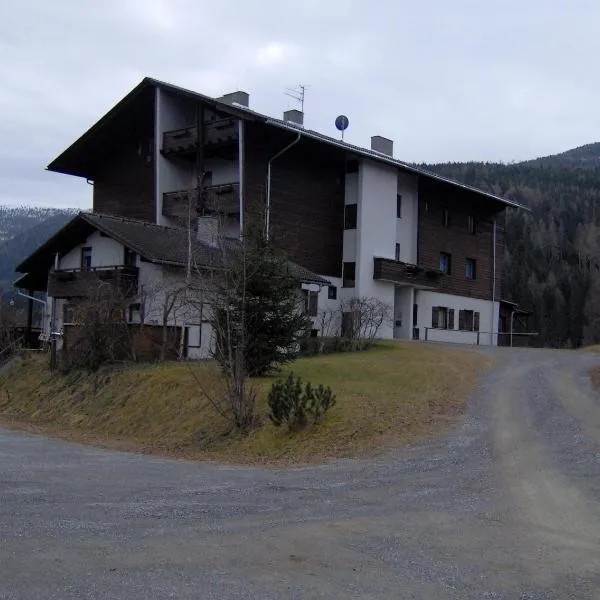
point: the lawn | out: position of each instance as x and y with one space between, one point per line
385 396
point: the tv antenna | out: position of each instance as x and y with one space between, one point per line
297 93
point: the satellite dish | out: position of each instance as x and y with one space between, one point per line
342 123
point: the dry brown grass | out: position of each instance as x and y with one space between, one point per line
386 396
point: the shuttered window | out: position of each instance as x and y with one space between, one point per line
468 320
439 317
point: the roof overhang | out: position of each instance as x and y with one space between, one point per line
383 158
79 158
136 107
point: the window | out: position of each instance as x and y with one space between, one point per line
471 224
446 218
445 263
86 258
415 314
451 318
397 255
471 268
332 292
68 315
311 303
314 333
468 320
349 274
398 206
350 216
439 317
130 258
135 313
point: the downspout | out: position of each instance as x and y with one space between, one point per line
241 169
493 284
268 215
33 298
157 195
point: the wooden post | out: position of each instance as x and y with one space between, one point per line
29 318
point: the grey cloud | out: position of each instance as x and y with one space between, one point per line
463 80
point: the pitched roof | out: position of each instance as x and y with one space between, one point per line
155 243
61 163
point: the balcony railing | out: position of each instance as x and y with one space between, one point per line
80 283
215 199
395 271
185 140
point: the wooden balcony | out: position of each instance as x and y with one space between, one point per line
215 199
185 141
395 271
78 283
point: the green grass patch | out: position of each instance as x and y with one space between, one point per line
385 396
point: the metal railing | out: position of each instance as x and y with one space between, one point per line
510 338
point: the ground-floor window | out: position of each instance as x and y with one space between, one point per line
442 317
468 320
439 317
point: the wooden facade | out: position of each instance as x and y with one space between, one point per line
307 195
395 271
222 199
76 283
444 215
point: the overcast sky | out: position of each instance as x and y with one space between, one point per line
446 80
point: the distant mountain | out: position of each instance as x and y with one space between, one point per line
552 259
585 157
22 230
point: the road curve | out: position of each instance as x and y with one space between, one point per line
507 505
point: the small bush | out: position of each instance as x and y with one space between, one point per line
292 403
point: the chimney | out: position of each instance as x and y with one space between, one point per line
294 116
208 230
382 145
240 98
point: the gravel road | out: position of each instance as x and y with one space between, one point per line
507 505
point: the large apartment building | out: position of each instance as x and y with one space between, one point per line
357 221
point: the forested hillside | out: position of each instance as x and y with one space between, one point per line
552 253
22 230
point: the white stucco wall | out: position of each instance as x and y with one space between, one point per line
426 300
106 252
403 312
223 171
325 322
407 225
172 174
376 231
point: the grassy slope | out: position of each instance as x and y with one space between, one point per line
385 396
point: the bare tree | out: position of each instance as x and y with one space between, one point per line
10 338
356 318
99 333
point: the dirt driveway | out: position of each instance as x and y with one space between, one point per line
505 506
